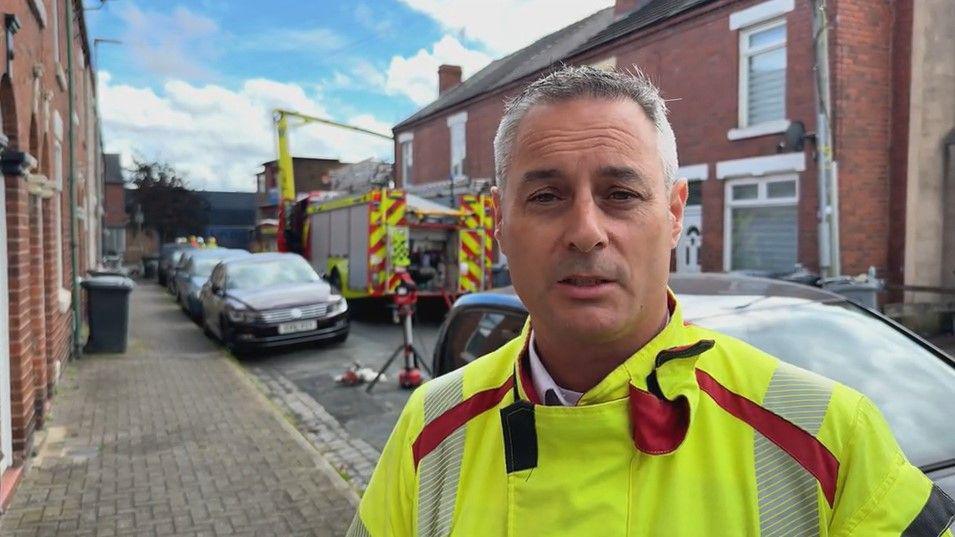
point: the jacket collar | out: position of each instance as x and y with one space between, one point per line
659 380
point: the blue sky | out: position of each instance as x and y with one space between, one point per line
192 82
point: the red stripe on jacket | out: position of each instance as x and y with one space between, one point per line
441 427
805 448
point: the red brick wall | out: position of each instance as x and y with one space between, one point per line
37 306
22 339
115 205
862 77
39 333
899 143
431 161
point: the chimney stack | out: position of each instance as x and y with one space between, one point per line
622 8
449 76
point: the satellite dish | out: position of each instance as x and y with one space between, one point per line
793 139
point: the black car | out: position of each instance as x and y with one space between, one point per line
910 380
269 300
169 255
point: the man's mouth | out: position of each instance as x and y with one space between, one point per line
584 281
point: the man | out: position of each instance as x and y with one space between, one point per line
609 415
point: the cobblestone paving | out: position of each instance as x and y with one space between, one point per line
172 438
351 456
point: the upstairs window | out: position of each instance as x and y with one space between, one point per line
406 161
762 76
458 123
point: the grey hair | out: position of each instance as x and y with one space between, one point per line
570 83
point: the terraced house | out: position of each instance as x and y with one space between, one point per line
760 93
49 146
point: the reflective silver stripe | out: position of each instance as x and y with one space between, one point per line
357 528
936 516
440 470
786 492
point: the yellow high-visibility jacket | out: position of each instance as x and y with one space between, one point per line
695 434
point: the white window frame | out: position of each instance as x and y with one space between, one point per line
457 124
407 160
406 163
761 200
746 129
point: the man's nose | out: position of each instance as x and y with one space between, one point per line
585 229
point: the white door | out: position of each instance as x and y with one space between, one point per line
6 432
688 249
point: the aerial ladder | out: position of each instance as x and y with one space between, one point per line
286 177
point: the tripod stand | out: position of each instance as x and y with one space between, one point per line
410 375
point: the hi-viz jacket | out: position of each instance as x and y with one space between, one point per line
695 434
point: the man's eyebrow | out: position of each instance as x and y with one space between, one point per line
541 175
622 173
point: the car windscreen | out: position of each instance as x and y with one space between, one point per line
839 340
202 266
269 273
476 332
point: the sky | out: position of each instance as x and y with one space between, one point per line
193 83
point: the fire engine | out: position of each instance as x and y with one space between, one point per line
363 242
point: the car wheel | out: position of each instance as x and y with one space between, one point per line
206 331
228 337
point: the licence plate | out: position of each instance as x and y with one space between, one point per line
297 326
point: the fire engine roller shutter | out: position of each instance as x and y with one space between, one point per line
358 247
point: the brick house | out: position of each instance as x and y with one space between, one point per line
115 218
310 174
36 324
738 75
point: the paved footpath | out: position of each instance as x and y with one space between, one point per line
172 438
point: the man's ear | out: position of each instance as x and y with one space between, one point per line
678 194
497 204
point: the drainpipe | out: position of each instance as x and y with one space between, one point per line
74 253
829 251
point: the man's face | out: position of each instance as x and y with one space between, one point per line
586 220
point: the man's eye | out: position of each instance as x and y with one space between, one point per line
623 195
543 197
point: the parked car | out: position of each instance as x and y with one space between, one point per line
169 254
195 267
910 380
172 275
269 300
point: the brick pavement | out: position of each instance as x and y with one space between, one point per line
353 457
172 438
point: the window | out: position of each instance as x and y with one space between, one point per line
476 332
762 224
694 192
457 123
406 161
762 74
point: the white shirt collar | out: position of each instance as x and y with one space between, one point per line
543 382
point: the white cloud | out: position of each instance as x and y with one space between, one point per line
506 25
219 137
176 44
417 76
